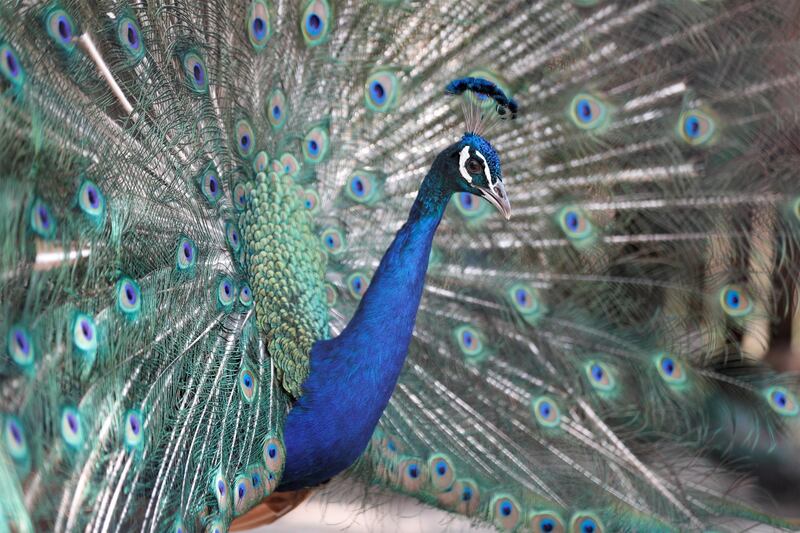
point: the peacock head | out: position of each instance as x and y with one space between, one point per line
472 162
473 166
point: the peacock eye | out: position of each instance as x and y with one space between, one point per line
473 166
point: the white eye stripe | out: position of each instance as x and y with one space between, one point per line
462 160
486 170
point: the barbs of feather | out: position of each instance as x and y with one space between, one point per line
484 103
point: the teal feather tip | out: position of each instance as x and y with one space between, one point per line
20 347
129 297
316 21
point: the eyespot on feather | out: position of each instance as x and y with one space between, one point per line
576 226
20 346
133 430
276 109
463 497
696 127
71 427
129 297
382 91
470 206
316 145
244 140
310 200
209 183
226 294
288 165
261 162
442 472
129 36
259 27
670 369
240 197
333 241
61 28
412 474
195 73
10 66
361 187
470 341
274 454
91 201
357 284
599 376
186 255
735 302
245 295
219 488
233 237
782 401
546 522
247 384
526 300
588 112
546 412
244 496
15 442
42 221
583 522
84 335
505 512
315 22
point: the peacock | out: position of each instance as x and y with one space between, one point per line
249 246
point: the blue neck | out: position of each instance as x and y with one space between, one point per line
353 375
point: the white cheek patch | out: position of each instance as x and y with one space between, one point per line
462 159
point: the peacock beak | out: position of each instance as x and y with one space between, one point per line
496 195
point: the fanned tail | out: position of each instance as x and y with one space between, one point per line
137 391
570 368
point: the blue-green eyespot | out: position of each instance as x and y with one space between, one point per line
735 302
576 226
599 376
670 369
315 23
546 411
133 429
42 221
357 284
333 240
471 343
245 140
382 91
186 255
782 401
61 28
195 73
588 112
696 127
526 301
129 297
20 346
91 201
316 145
259 27
505 512
130 37
276 109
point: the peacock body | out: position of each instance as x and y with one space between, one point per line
223 275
